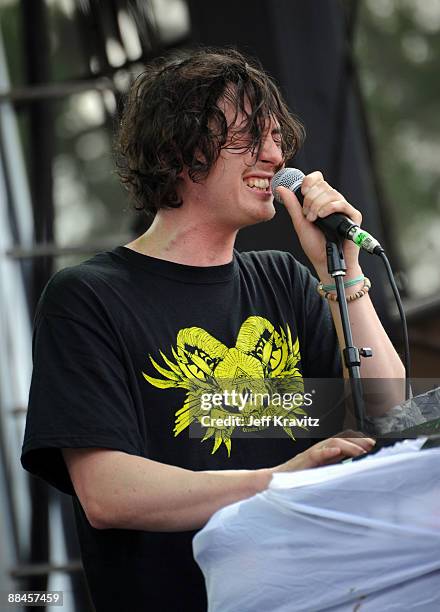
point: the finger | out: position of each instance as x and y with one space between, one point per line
310 180
320 200
351 433
339 206
331 458
314 189
318 188
314 193
348 446
352 447
335 449
293 207
365 443
315 457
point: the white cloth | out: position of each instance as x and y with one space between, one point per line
356 536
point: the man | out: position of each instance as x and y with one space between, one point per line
131 347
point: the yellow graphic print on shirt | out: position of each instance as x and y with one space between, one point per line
263 361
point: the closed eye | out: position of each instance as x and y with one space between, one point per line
276 136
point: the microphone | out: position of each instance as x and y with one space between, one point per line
336 225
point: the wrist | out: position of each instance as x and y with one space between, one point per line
288 466
262 478
327 279
351 289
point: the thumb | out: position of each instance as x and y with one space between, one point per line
292 206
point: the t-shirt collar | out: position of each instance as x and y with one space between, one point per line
177 271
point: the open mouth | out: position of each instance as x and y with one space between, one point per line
261 185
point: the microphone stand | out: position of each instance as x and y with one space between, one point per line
352 355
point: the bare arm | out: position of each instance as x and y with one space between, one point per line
321 200
385 387
122 491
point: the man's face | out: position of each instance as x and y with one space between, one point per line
237 193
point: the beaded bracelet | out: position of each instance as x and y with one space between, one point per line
350 298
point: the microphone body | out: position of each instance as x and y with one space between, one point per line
334 226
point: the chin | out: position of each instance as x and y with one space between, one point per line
258 216
265 213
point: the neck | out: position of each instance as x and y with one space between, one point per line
174 238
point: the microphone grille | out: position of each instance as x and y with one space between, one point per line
287 177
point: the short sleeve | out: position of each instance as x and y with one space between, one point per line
80 395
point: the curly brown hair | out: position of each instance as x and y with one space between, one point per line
172 120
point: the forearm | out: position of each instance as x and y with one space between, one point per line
131 492
121 491
367 331
321 200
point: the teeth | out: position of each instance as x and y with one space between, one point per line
259 183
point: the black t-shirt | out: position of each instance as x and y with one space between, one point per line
124 345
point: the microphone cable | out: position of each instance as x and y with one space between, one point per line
406 353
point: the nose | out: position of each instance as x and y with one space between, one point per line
270 151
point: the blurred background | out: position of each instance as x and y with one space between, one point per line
363 75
